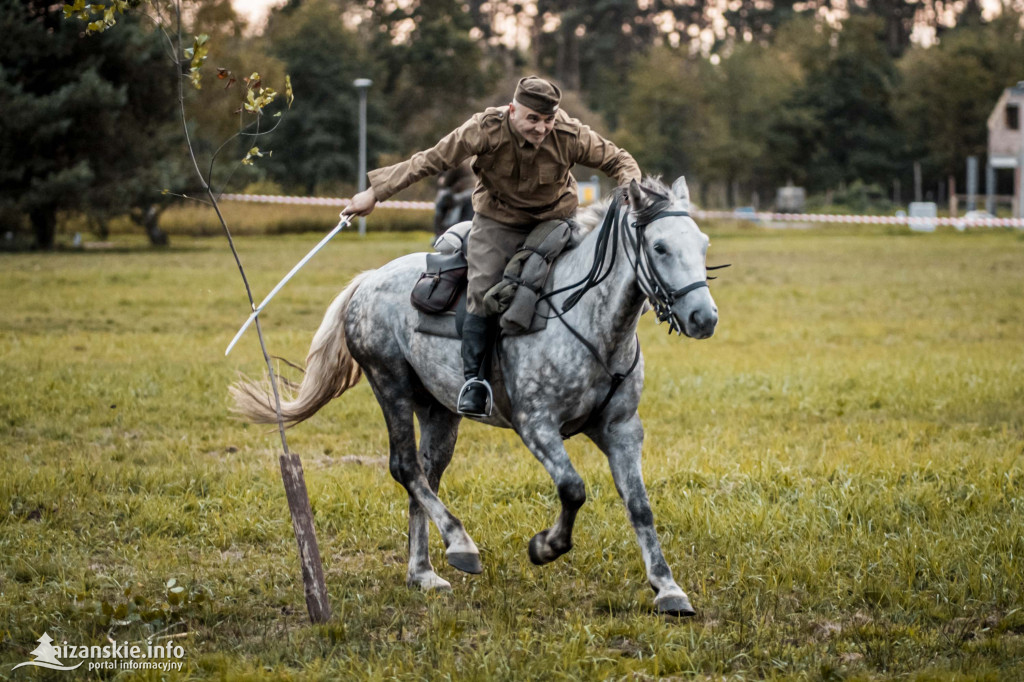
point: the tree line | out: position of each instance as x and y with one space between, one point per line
742 97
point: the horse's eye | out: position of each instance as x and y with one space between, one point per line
660 249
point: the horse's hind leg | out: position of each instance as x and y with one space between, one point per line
439 429
621 443
394 390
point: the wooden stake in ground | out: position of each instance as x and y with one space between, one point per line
317 605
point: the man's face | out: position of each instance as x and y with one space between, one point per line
531 125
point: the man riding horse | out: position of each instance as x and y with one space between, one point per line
524 152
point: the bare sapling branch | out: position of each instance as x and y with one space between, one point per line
188 63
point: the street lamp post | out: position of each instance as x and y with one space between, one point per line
362 85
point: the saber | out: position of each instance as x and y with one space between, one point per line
298 266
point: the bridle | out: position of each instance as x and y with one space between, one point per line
658 292
654 287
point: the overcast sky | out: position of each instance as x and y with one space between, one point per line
255 10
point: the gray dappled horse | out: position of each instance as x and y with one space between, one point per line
581 375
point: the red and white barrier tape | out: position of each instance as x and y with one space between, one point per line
322 201
959 223
862 219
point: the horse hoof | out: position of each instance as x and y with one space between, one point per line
429 583
466 562
535 548
678 606
541 552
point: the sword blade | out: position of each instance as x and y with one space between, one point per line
298 266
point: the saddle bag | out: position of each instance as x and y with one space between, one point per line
516 297
440 285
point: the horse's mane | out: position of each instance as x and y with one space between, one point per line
591 216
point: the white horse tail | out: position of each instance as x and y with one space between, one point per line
330 371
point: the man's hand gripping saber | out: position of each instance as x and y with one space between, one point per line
345 220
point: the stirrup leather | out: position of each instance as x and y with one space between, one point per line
490 396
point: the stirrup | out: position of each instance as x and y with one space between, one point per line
470 383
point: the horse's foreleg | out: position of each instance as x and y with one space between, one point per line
546 446
405 468
439 430
621 442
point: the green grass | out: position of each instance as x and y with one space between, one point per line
837 477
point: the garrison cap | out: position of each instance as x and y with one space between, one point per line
538 94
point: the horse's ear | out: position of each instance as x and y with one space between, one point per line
635 195
681 191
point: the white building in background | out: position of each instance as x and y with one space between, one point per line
1006 142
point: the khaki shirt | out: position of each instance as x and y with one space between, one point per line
518 183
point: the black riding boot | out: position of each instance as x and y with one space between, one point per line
475 398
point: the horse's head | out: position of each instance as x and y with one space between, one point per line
670 250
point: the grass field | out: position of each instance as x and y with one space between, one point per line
837 477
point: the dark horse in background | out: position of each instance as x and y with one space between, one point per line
454 201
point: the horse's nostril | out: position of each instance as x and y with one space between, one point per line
703 320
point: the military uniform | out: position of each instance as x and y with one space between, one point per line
519 185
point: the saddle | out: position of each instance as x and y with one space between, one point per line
439 293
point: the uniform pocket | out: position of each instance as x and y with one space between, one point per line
501 167
547 175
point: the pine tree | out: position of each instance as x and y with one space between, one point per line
87 120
